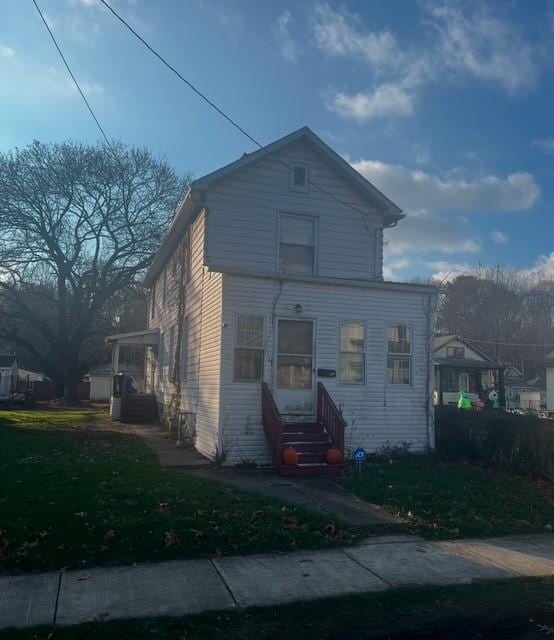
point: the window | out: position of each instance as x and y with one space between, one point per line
164 290
455 352
352 353
186 257
184 355
399 354
161 357
153 300
299 177
297 244
171 353
249 353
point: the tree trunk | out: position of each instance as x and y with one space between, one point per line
71 385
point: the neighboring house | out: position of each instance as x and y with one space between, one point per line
8 377
265 277
29 376
524 393
549 362
460 366
100 379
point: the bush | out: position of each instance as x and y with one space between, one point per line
523 444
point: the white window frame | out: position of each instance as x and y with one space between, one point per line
315 221
187 258
298 187
409 356
184 351
161 358
257 316
171 353
153 301
164 286
454 357
363 353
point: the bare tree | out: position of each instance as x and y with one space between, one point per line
78 226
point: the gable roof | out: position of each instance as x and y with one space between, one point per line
443 340
549 358
7 361
386 206
193 200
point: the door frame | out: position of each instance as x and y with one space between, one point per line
276 321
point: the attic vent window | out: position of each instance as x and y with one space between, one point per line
299 177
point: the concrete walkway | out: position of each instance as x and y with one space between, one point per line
191 586
322 495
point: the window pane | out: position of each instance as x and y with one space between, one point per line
294 372
295 337
297 230
299 176
250 331
248 364
184 350
398 370
352 337
296 259
352 367
399 339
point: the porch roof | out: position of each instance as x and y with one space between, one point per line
467 363
144 338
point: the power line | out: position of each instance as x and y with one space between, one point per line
510 344
220 111
72 76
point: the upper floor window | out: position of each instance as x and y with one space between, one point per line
153 300
455 352
249 351
299 177
399 354
297 244
352 353
164 289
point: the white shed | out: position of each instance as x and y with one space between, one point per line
8 377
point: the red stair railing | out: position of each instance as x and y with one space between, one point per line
330 417
273 425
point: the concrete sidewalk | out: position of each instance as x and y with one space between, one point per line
191 586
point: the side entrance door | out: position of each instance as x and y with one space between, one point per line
295 368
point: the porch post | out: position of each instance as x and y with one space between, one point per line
115 403
115 357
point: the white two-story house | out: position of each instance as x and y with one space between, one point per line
273 324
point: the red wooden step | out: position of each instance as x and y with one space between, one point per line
312 469
311 456
305 437
303 427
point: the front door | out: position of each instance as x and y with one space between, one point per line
294 375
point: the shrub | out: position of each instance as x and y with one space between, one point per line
523 444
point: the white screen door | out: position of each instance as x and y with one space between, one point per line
294 379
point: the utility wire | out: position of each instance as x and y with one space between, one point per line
73 77
510 344
219 110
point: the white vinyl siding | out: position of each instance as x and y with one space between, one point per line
200 389
184 355
399 354
352 353
244 210
377 413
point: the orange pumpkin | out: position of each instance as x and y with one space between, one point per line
290 456
334 456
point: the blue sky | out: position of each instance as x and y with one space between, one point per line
445 105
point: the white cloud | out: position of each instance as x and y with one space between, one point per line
484 45
499 237
385 100
290 49
414 189
545 144
444 271
422 232
543 267
6 52
391 268
466 40
338 33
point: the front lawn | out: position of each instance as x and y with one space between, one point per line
483 611
75 494
449 500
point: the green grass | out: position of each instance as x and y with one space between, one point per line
484 610
72 495
441 500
